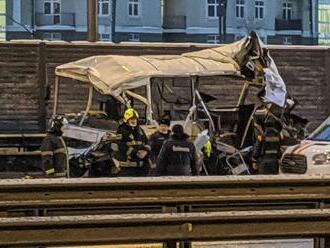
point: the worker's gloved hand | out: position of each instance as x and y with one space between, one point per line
141 154
255 166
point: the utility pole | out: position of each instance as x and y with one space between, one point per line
113 21
92 20
222 20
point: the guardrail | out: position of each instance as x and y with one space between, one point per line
142 228
130 210
227 191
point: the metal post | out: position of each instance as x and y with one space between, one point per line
42 88
320 242
244 94
92 20
169 243
311 18
149 106
220 27
56 92
222 20
193 94
89 105
185 209
113 21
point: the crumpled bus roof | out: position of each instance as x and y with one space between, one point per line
113 74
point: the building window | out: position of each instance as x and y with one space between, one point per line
239 36
53 7
134 37
103 7
134 7
287 41
213 8
52 36
287 10
105 37
259 9
240 5
213 39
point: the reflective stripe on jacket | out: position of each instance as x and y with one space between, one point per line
54 156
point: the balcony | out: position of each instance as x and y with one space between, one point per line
175 22
281 24
65 19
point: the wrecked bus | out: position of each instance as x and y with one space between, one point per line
127 81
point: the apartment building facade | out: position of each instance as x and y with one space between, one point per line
136 20
276 21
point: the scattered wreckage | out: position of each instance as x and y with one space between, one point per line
121 77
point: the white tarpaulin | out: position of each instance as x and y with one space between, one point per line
114 74
274 86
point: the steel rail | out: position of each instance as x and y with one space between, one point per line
162 191
148 228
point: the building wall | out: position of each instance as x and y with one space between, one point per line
144 37
177 7
26 9
146 24
67 35
149 23
80 10
198 22
9 11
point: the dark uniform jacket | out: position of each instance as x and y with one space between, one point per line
54 156
266 150
133 139
178 157
156 142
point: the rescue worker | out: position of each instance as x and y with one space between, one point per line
267 149
133 156
54 152
178 157
157 140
